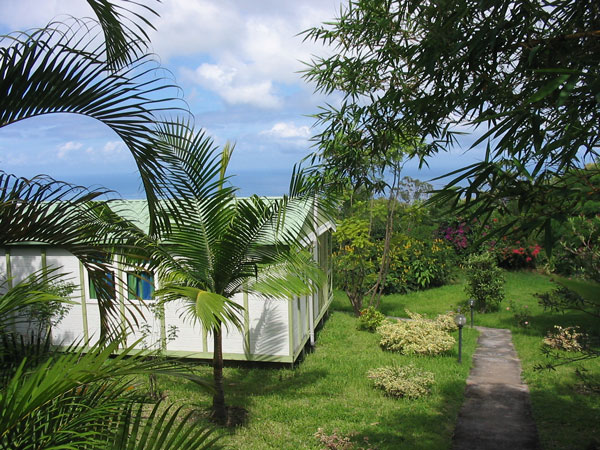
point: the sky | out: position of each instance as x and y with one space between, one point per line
238 64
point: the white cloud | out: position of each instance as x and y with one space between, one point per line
108 153
68 147
113 148
22 14
255 44
233 87
287 130
248 48
10 159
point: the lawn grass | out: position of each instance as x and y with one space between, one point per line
329 390
566 417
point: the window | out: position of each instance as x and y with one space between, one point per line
109 277
140 285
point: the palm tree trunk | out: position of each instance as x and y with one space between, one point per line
219 411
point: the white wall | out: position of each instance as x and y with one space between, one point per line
269 330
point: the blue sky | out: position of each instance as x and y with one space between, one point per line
238 64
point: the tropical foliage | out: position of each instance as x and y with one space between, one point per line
416 264
416 258
85 397
354 260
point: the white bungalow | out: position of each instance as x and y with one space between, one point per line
274 330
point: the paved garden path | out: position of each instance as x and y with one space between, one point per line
496 414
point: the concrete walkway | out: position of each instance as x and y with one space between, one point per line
496 414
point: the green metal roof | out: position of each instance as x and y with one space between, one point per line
137 212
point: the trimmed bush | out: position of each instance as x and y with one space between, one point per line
418 336
570 339
485 282
446 322
402 381
370 319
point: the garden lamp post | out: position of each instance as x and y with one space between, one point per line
460 321
471 305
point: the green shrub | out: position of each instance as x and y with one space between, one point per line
354 260
416 264
370 319
485 282
402 381
416 336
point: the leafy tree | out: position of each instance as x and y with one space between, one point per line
485 282
524 74
354 260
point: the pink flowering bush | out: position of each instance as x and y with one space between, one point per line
456 234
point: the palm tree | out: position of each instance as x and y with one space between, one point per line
217 245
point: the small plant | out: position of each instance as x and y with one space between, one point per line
337 441
44 316
353 261
570 339
402 381
485 282
521 314
417 336
370 319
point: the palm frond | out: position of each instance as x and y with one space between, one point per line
206 307
292 274
75 399
62 69
123 28
161 431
